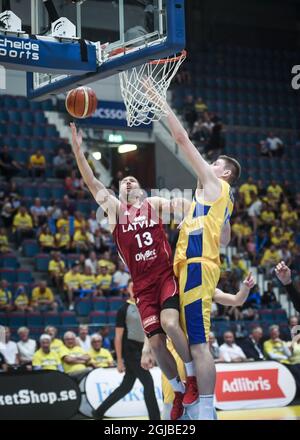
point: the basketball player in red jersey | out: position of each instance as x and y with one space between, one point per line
138 231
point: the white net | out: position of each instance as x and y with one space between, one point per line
144 107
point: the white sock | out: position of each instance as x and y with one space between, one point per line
189 368
206 407
177 385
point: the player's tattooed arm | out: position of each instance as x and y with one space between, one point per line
108 202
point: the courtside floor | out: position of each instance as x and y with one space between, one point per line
286 413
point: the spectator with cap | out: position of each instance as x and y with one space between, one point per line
74 358
100 357
56 344
9 350
84 339
42 298
72 281
252 345
230 351
45 358
26 347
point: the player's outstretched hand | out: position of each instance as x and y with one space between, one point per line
76 138
283 273
249 282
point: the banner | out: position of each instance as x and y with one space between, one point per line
253 385
38 395
35 55
100 383
111 114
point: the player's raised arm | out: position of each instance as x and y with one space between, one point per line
227 299
106 200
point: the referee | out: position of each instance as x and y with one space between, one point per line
284 275
129 342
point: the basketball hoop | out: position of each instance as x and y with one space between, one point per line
141 107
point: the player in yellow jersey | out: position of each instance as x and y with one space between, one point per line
197 260
219 297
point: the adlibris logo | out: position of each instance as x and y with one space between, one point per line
248 385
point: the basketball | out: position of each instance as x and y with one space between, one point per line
81 102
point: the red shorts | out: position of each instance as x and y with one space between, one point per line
150 301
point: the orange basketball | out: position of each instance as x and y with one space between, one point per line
81 102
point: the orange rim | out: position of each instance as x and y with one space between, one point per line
123 50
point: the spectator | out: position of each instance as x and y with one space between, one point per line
38 212
267 216
238 267
21 300
216 142
60 164
4 246
3 364
214 348
103 281
121 277
72 280
26 348
224 266
293 321
79 221
254 298
6 304
22 225
74 358
8 166
92 262
104 333
42 298
114 185
295 350
270 258
275 348
252 346
200 107
56 270
37 165
231 352
275 189
88 282
9 350
84 339
254 211
248 190
285 254
74 186
56 344
269 297
189 112
105 260
53 210
63 239
68 206
46 358
289 216
100 357
7 212
93 222
82 240
46 239
274 145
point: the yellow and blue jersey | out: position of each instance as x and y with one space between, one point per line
197 261
200 233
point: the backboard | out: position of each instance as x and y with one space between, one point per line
119 34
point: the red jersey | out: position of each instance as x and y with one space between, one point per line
142 244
